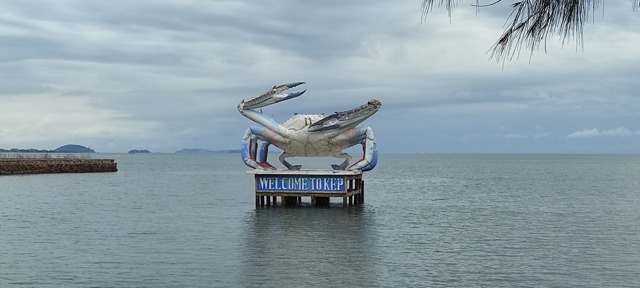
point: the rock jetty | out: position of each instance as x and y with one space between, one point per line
16 166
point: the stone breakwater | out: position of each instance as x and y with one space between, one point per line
45 166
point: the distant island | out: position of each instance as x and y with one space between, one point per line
205 151
69 148
73 148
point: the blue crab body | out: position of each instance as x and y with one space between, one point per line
307 135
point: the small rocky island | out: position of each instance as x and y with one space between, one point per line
69 158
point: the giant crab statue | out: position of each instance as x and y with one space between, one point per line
307 135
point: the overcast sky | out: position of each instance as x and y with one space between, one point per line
164 75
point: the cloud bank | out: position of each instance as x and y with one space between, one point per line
164 75
618 132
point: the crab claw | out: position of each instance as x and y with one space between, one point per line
272 96
349 118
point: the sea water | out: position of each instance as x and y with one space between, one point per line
172 220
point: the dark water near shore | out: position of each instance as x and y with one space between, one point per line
428 221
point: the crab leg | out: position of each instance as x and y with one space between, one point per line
263 153
344 164
251 156
369 151
286 163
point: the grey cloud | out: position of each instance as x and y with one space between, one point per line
172 73
617 132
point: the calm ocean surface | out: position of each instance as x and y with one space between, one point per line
171 220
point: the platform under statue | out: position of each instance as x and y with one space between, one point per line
307 135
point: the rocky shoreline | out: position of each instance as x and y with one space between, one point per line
19 166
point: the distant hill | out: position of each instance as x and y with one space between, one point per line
73 148
135 151
205 151
69 148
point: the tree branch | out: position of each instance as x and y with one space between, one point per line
486 5
533 22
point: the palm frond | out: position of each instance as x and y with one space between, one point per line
533 22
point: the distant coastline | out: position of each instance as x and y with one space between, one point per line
74 148
69 148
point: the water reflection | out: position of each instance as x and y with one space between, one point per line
307 246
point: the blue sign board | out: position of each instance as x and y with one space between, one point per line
300 183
